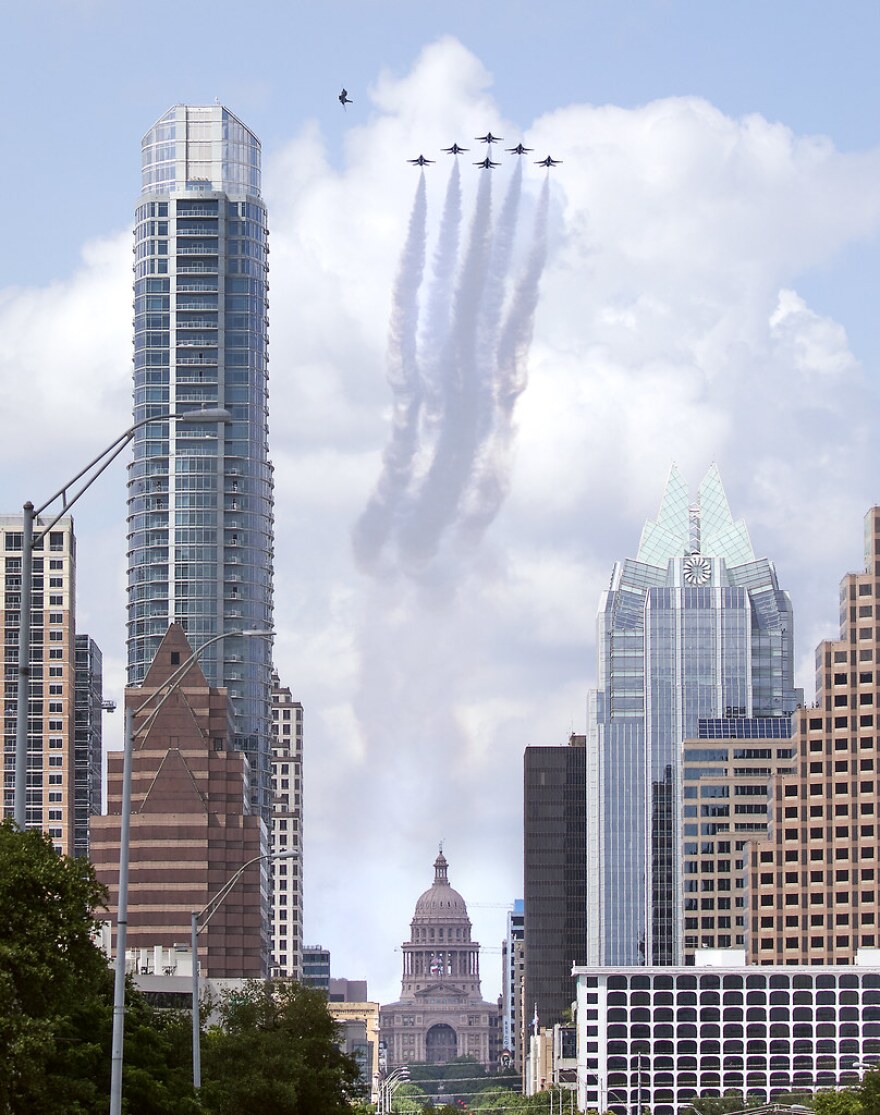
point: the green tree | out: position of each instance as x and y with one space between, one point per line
56 998
837 1101
732 1100
869 1092
275 1052
52 976
498 1100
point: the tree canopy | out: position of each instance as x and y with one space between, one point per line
275 1052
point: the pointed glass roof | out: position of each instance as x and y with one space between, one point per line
671 534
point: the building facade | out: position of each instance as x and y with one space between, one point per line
554 876
653 1038
512 979
191 828
440 1014
87 742
200 493
316 967
813 884
694 627
287 812
58 797
727 775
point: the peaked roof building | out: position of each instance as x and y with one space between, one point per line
694 627
191 823
440 1014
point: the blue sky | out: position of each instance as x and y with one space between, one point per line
709 294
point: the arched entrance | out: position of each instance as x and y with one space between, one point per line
441 1045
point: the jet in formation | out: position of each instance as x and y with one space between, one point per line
344 98
489 138
486 163
420 161
519 149
455 149
547 162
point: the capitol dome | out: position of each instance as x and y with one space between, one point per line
440 902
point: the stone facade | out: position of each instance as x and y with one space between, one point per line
440 1014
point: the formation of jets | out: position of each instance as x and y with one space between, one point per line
455 149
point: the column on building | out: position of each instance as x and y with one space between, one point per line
287 834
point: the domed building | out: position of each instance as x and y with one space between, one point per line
440 1014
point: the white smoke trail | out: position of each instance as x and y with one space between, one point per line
434 506
492 480
439 299
374 525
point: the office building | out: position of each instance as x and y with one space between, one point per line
87 743
695 626
287 811
512 977
440 1014
200 493
554 877
191 829
58 797
316 967
726 779
813 883
650 1039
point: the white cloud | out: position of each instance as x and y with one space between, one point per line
669 327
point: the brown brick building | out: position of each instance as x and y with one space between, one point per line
812 885
191 825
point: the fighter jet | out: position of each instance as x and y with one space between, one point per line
519 149
486 163
420 161
489 138
547 162
344 98
455 149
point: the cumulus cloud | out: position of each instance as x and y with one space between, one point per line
669 325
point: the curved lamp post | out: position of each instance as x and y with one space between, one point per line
30 539
166 689
204 917
387 1088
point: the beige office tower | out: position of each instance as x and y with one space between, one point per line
726 787
286 873
812 884
50 774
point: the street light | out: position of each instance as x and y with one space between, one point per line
206 914
387 1088
30 540
166 689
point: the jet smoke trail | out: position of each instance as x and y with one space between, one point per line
374 525
433 507
439 298
492 481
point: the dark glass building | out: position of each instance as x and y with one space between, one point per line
554 870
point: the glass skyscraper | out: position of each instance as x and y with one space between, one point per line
694 627
200 494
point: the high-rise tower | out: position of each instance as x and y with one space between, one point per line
694 627
200 494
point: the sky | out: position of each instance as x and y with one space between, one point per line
695 283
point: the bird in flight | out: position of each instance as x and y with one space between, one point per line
344 98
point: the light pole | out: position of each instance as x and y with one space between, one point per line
30 539
166 689
204 916
387 1088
